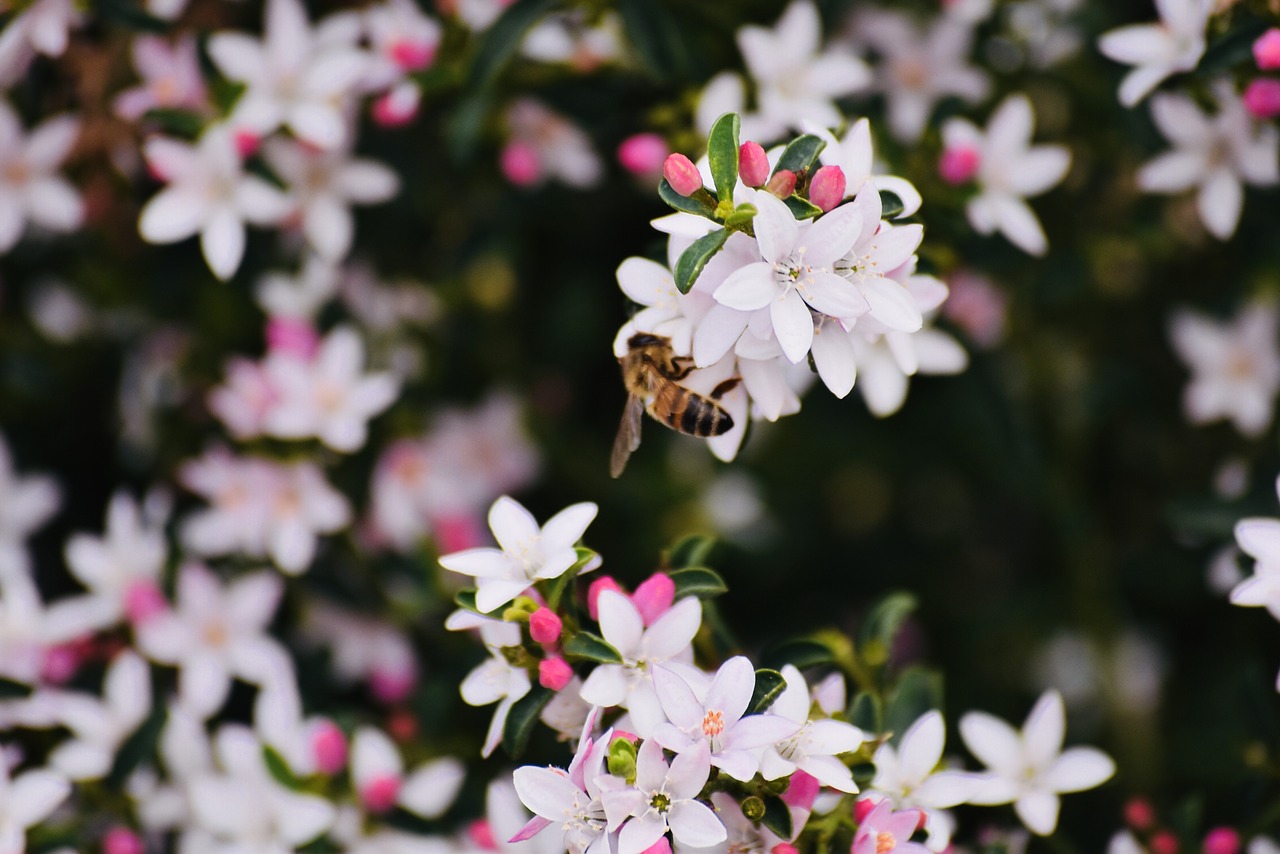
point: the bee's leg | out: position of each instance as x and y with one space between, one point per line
681 366
724 388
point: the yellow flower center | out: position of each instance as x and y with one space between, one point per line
885 842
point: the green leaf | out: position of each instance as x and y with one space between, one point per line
777 817
177 122
463 126
700 203
801 208
691 550
521 718
502 40
592 648
137 747
279 769
10 690
881 626
691 262
800 652
740 219
891 204
865 712
918 691
698 581
722 154
769 684
800 154
657 38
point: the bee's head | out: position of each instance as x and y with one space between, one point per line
646 339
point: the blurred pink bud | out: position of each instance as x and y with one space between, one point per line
481 835
625 736
398 107
402 725
455 533
782 184
246 142
826 190
381 793
292 335
411 55
682 175
753 164
328 747
1266 50
654 597
978 307
958 165
597 587
662 846
1139 814
862 808
545 626
60 663
784 848
1222 840
142 601
803 791
554 673
122 840
1262 98
643 154
392 686
521 164
1164 842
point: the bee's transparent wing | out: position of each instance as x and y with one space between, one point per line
628 438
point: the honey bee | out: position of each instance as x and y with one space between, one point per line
651 372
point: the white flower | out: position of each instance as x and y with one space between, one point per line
39 27
30 630
815 744
506 817
1235 366
527 554
379 780
1158 50
25 801
550 147
1029 768
887 362
1010 170
875 261
363 648
1216 154
496 680
31 190
663 798
26 503
123 566
298 297
209 194
323 186
296 76
99 726
216 632
567 37
171 78
1260 539
569 798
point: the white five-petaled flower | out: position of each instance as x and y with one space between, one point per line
31 190
569 799
380 782
496 680
25 801
40 27
663 798
1030 768
796 273
1235 366
815 744
1216 154
716 717
527 554
1009 170
171 78
1158 50
122 567
209 194
1260 539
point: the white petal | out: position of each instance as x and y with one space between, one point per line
1038 811
222 241
792 325
695 825
1079 768
432 788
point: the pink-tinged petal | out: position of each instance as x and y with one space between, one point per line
1038 810
533 827
1260 538
172 215
792 325
12 222
994 742
695 825
793 703
833 295
731 689
512 525
564 529
832 236
671 738
1043 732
677 699
651 766
673 632
748 288
1079 768
688 774
639 834
222 241
756 731
938 353
991 790
776 229
620 622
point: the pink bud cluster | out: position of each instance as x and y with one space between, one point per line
652 598
1262 96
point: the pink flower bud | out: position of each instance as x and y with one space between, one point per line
1164 842
782 184
959 164
862 808
122 840
654 596
662 846
328 747
1266 50
398 107
643 154
826 190
292 335
784 848
481 835
392 686
142 601
455 533
681 174
410 55
521 164
1262 98
246 142
802 791
753 164
1139 814
625 736
545 626
554 673
1222 840
402 725
60 663
597 587
381 793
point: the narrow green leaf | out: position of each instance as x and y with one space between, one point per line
592 648
698 581
464 124
800 154
700 203
918 691
891 204
279 769
695 258
800 652
777 817
865 712
521 719
137 747
722 153
503 39
881 626
769 684
801 208
688 551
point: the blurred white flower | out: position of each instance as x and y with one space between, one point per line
815 742
1175 43
100 726
171 78
380 782
496 680
25 801
31 190
123 566
364 648
545 146
26 503
42 26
